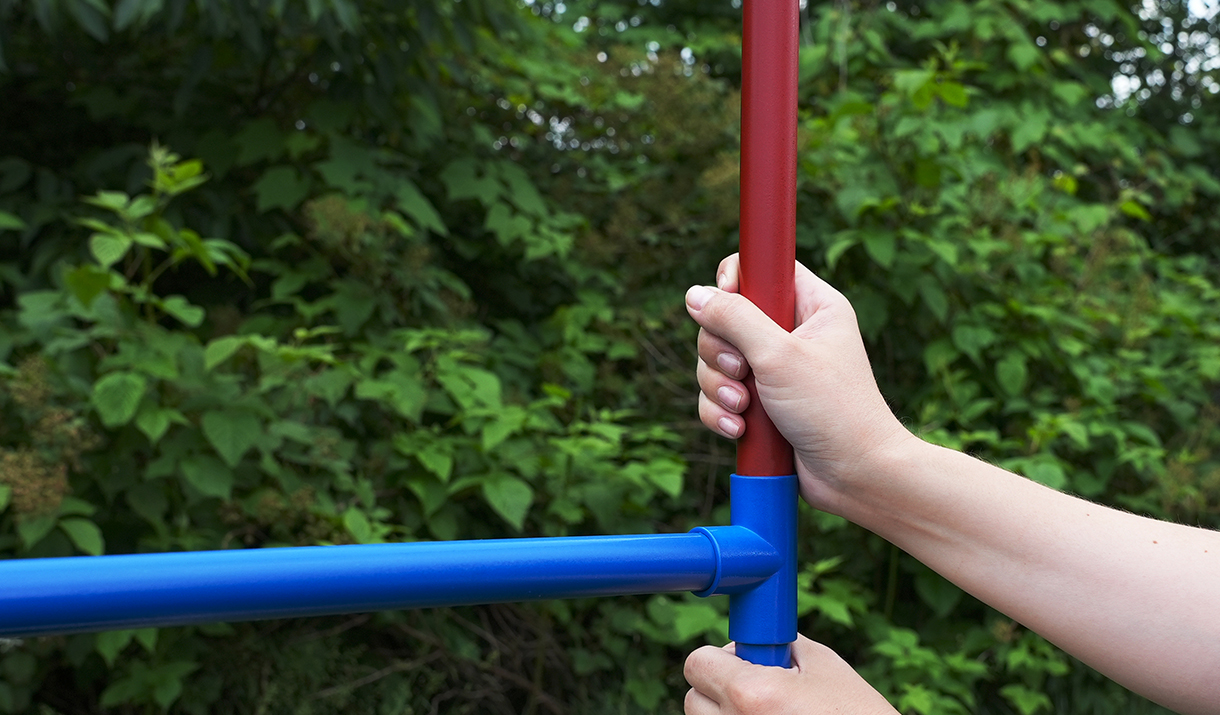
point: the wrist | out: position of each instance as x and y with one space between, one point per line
875 487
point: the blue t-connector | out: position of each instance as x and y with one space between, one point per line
762 620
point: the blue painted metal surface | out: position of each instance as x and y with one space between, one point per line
65 595
762 620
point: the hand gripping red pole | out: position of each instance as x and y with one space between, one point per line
764 491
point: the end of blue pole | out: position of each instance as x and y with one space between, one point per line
779 655
762 620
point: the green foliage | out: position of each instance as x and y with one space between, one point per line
421 275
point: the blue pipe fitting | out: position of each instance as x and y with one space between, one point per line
743 559
762 619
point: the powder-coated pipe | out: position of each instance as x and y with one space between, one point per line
768 199
80 594
763 620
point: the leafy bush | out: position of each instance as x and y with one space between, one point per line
421 278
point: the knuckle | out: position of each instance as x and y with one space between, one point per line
750 695
696 703
769 360
693 664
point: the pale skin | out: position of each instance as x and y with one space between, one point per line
1135 598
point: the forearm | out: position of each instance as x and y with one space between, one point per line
1136 598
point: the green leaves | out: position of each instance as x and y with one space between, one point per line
222 349
154 421
435 455
280 187
417 206
9 222
1011 373
1026 700
161 684
117 396
109 248
179 308
134 13
87 282
231 432
209 475
973 339
459 329
510 497
85 535
399 388
91 16
110 644
470 386
1023 55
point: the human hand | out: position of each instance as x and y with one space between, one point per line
819 681
815 384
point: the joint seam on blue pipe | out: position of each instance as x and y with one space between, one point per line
711 589
744 559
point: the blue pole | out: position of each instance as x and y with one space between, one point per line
762 620
78 594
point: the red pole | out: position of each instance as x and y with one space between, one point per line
768 200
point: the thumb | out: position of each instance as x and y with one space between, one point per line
735 319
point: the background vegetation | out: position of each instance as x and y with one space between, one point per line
282 273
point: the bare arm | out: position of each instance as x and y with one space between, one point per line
1137 599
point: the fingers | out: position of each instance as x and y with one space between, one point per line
728 274
721 366
697 703
835 681
815 296
727 685
819 682
723 397
809 655
719 420
812 293
735 321
709 669
720 355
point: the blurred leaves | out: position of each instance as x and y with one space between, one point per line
414 271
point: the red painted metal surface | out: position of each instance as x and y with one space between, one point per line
768 200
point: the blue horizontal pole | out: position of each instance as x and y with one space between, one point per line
80 594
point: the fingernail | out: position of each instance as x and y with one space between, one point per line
727 426
721 280
729 363
729 397
698 296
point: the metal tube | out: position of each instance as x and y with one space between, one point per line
763 620
768 200
78 594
